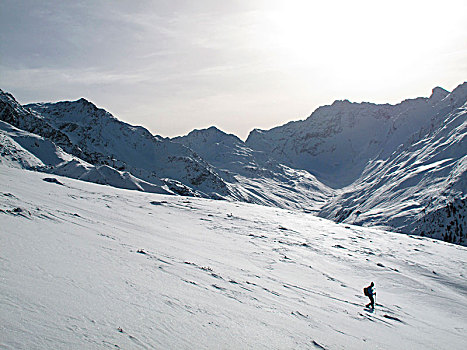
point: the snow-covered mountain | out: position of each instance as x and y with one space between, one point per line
103 150
85 266
336 142
90 266
21 149
396 166
117 150
253 176
393 166
420 187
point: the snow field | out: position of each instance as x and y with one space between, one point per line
90 266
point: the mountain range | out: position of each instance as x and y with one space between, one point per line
400 167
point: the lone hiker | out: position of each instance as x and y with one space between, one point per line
369 292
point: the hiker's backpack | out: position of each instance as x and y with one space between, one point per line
365 291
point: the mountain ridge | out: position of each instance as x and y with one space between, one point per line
396 166
307 144
98 138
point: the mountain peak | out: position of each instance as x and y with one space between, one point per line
211 134
341 103
438 93
7 96
211 130
83 101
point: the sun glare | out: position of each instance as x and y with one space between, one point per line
361 41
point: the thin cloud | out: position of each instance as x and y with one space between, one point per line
87 76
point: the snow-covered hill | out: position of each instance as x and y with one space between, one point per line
106 140
19 148
85 266
253 176
107 151
24 150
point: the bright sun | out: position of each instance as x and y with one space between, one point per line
358 41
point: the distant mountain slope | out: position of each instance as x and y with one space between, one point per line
21 149
336 142
96 137
106 140
253 176
225 151
397 166
105 150
420 188
16 115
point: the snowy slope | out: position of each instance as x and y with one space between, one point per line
19 148
253 176
24 150
16 115
106 140
420 188
90 266
336 142
127 157
399 167
96 137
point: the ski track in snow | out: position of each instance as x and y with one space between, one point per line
90 266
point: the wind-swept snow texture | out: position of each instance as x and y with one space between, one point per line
85 266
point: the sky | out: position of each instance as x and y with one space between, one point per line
178 65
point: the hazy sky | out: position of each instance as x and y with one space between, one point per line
176 65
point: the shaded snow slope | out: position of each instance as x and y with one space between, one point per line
19 148
106 140
420 188
95 136
336 142
252 175
225 151
89 266
401 167
125 156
